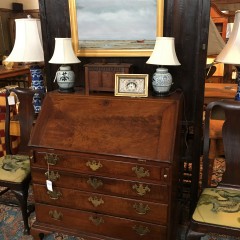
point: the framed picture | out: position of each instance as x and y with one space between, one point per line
109 28
132 85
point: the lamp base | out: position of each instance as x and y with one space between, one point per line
161 82
237 96
65 79
37 84
66 90
160 94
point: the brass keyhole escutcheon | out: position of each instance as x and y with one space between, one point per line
141 230
140 172
141 209
51 158
94 165
55 195
52 176
55 215
96 201
96 220
141 190
95 183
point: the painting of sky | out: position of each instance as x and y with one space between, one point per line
116 19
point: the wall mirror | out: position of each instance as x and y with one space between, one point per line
115 28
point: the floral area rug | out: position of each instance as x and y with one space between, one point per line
11 227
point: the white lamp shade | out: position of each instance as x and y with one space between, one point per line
229 30
63 52
231 52
28 42
164 52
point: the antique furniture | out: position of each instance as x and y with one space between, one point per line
220 19
16 74
218 210
15 168
101 76
111 165
217 91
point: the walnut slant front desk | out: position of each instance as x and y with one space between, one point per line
113 164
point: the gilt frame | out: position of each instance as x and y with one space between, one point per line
131 85
112 52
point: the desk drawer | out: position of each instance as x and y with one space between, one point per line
98 184
119 228
124 167
122 207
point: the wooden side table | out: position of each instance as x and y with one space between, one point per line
217 91
101 77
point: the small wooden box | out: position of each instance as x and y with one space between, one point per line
101 76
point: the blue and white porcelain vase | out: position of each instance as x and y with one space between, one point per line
161 81
37 83
65 79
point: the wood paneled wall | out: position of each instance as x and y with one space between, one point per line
188 22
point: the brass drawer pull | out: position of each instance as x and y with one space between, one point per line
140 172
141 209
95 201
56 215
55 195
52 176
141 190
94 182
141 230
94 165
96 220
51 158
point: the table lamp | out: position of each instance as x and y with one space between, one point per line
28 49
231 52
64 54
163 54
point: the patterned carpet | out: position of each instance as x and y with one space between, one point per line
11 227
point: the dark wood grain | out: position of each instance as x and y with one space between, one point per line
123 151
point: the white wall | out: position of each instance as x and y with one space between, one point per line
27 4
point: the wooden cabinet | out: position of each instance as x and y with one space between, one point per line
101 76
113 165
220 19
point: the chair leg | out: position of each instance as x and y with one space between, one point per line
192 235
22 197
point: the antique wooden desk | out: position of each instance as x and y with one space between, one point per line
8 74
112 163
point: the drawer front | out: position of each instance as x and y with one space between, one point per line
79 163
122 207
105 225
91 183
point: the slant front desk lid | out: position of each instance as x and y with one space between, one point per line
133 127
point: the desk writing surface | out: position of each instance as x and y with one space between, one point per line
108 125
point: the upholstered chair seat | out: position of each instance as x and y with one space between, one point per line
14 168
219 207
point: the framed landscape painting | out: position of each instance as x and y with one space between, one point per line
115 28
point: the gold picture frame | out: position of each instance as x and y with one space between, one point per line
136 49
131 85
